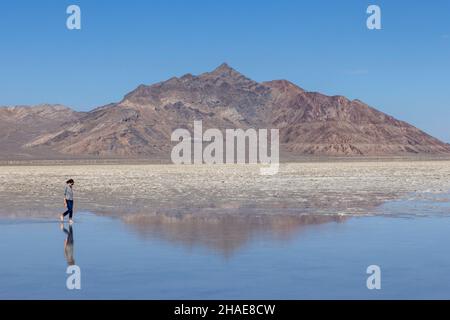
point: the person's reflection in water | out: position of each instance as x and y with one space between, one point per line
68 245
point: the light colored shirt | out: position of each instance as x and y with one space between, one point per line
68 193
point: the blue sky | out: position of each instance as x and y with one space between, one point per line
403 69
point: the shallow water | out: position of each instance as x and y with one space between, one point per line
251 259
301 188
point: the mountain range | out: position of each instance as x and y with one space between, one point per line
140 125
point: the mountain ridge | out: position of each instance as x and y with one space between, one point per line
140 125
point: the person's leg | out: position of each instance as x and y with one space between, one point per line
67 211
71 210
70 207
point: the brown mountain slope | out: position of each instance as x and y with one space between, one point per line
141 124
310 123
20 124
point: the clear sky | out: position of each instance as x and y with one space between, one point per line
403 69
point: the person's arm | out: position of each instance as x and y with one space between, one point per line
65 200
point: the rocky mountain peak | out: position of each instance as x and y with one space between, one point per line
224 71
310 123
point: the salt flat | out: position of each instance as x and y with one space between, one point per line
299 188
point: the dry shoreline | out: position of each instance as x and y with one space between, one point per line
326 188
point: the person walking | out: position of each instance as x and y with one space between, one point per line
68 200
68 245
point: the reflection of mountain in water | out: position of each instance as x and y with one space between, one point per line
224 233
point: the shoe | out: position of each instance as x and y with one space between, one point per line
70 221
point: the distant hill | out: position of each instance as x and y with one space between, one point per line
21 124
140 125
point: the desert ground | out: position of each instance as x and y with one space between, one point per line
137 190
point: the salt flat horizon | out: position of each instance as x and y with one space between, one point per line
284 159
344 187
225 231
